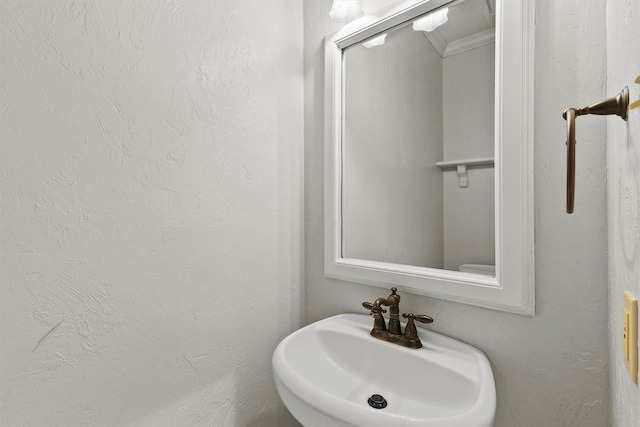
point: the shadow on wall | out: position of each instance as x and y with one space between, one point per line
274 419
212 398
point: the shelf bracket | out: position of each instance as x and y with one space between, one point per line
463 176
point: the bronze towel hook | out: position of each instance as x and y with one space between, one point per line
617 105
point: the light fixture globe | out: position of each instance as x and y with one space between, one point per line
345 10
432 21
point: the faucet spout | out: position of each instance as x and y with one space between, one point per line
380 301
392 301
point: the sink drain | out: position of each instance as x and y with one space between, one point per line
377 401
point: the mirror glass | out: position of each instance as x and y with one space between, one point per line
429 151
418 184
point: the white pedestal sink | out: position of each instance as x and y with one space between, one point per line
326 372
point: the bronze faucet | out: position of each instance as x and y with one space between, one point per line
394 334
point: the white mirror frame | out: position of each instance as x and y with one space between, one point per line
513 288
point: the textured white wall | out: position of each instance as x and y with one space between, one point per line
623 143
392 189
551 370
151 179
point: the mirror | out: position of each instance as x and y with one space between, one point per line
429 151
404 91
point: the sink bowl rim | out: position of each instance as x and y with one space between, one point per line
319 398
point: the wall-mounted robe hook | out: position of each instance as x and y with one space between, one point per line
617 105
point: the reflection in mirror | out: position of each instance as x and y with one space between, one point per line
418 142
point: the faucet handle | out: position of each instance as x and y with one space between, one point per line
369 306
418 317
410 331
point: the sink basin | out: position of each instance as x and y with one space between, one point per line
326 372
